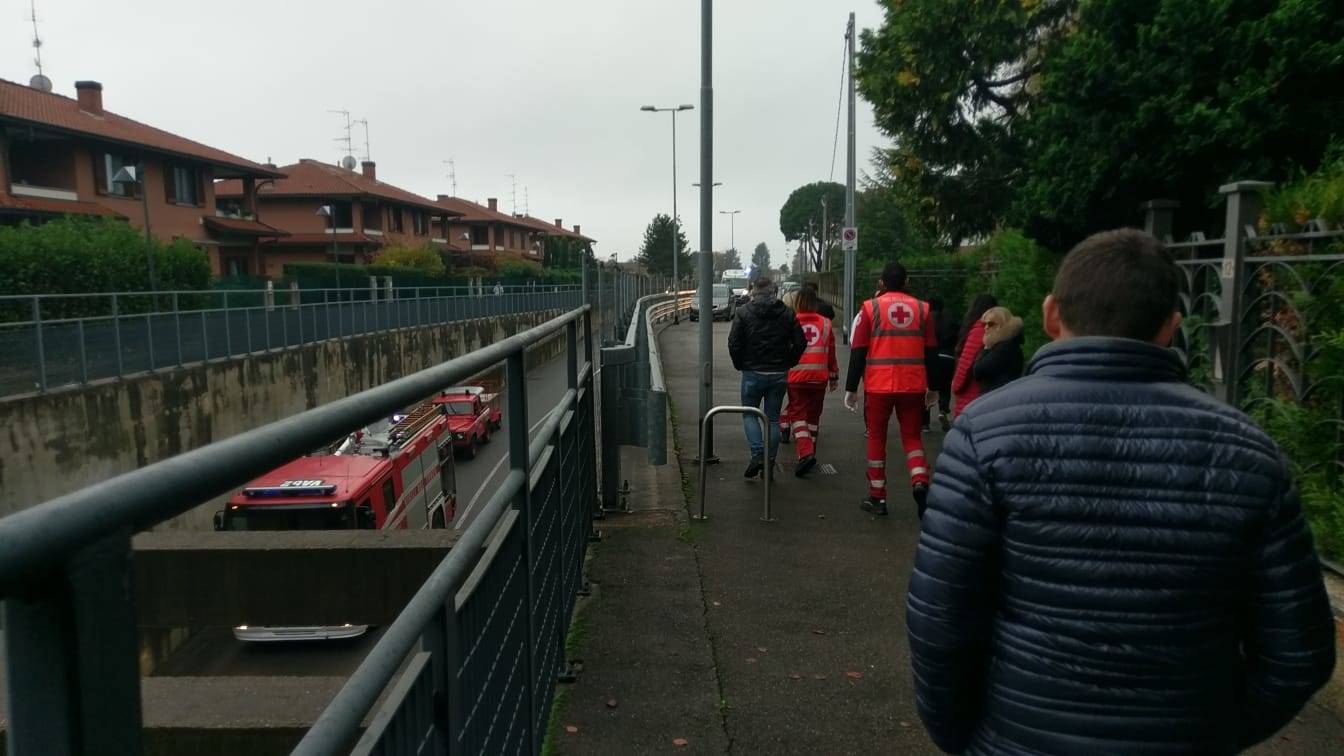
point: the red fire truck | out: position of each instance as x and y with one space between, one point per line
474 413
398 473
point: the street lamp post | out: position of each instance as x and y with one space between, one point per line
676 220
134 175
326 212
732 225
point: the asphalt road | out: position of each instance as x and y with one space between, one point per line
214 652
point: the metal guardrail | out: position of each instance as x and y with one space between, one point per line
705 433
482 640
52 341
634 396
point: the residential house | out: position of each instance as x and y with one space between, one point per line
62 156
335 214
483 229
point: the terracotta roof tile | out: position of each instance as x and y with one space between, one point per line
474 213
9 202
320 238
241 226
20 103
311 178
553 229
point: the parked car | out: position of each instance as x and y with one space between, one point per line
723 304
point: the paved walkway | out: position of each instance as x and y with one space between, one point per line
735 635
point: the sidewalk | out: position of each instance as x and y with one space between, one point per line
736 635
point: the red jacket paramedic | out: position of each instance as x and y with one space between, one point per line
816 373
893 343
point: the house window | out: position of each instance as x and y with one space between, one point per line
235 267
183 185
372 219
394 220
45 163
108 166
342 215
480 236
418 225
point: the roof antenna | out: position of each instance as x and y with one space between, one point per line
347 162
452 174
365 123
526 209
514 191
39 81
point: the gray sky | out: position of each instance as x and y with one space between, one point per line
549 91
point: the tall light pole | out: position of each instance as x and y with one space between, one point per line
676 220
327 212
134 175
706 221
851 255
732 224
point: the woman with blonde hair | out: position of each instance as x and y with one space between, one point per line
1000 362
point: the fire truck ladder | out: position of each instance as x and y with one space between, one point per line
414 422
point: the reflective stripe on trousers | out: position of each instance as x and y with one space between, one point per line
909 410
805 405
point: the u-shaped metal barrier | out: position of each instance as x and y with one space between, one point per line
704 435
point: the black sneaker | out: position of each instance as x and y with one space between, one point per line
921 494
875 506
805 465
754 468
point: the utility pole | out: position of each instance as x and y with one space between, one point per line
851 255
706 221
825 236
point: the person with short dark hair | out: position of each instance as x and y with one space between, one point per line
1113 561
765 341
892 345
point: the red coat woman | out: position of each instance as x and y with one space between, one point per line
965 388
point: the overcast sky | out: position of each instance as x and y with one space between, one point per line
549 91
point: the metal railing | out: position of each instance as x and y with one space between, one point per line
65 340
634 396
705 433
468 666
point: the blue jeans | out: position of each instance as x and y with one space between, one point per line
772 389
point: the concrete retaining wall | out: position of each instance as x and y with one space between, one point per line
59 442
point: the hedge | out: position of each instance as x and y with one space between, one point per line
76 255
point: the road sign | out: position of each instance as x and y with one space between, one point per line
849 239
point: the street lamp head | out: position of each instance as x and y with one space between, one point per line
125 176
649 108
324 211
685 107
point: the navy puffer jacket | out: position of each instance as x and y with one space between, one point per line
1112 562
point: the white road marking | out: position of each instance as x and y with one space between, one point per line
493 471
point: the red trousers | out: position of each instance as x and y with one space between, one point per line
805 403
909 409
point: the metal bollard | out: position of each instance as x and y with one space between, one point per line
704 434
